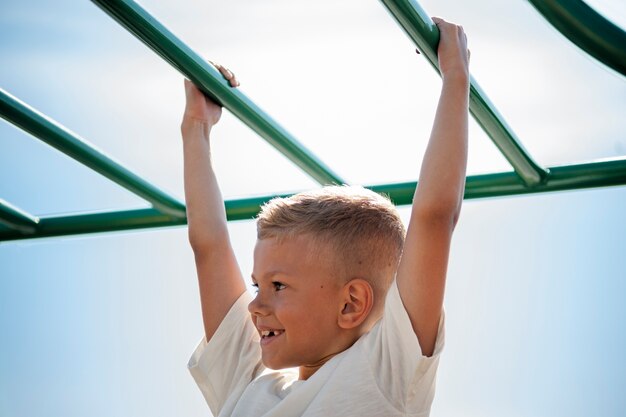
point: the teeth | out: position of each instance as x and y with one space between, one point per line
268 333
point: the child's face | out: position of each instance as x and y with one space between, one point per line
298 303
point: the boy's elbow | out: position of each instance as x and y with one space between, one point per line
455 211
196 242
440 211
206 241
456 216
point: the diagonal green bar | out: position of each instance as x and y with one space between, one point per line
57 136
17 219
420 28
587 29
145 27
604 173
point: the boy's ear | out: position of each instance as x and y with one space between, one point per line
357 302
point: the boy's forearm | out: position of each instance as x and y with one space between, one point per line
219 277
442 177
206 215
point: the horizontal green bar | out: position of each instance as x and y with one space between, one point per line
604 173
62 139
587 29
156 36
420 28
17 219
75 224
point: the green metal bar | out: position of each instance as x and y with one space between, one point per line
247 208
604 173
147 29
57 136
587 29
96 222
420 28
17 219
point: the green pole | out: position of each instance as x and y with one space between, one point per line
611 172
587 29
605 173
156 36
74 224
62 139
423 32
17 219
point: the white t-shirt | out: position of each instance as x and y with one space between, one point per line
382 374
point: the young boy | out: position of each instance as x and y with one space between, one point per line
342 295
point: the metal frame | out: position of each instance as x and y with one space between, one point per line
423 32
17 220
587 29
61 138
528 176
567 177
156 36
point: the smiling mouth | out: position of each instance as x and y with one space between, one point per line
266 334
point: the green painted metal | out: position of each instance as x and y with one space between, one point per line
604 173
528 177
17 219
57 136
145 27
423 32
587 29
75 224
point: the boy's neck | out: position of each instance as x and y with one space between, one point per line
306 371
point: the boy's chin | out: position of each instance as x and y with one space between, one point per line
276 364
274 367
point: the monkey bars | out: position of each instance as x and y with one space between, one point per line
588 29
156 36
567 177
17 219
422 31
528 176
57 136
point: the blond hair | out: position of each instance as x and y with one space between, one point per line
359 229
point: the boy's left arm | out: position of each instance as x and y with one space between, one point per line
437 202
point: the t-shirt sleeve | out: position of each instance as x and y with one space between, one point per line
230 360
403 374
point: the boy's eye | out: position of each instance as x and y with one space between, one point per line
277 286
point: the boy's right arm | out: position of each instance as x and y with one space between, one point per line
219 277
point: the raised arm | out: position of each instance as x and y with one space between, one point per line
437 202
219 277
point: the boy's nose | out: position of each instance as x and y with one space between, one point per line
258 307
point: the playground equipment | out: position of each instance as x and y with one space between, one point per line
577 21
